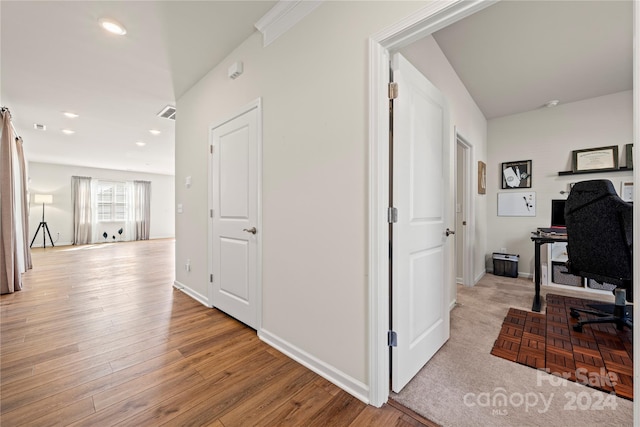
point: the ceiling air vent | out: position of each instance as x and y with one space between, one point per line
168 112
38 126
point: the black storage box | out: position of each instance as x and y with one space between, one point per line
505 264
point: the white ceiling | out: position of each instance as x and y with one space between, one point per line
513 57
56 58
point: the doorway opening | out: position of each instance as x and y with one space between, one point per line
464 214
421 24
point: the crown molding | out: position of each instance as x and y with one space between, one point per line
282 17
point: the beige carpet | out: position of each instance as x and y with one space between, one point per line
464 385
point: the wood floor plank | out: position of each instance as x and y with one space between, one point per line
341 410
251 410
386 415
99 336
124 409
213 395
25 414
67 414
295 411
31 390
231 393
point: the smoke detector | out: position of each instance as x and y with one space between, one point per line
168 112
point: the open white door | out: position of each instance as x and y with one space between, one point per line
235 232
420 254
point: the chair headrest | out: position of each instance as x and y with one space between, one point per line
587 192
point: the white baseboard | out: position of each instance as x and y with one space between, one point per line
39 245
480 276
352 386
193 294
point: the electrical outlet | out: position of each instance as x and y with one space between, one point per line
187 266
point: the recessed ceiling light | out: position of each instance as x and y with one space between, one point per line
141 144
552 103
68 131
154 132
70 114
112 26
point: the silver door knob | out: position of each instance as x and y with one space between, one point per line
448 232
251 230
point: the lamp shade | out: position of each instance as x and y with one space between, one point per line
43 198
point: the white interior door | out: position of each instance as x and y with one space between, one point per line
421 253
235 233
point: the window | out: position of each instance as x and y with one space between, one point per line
112 201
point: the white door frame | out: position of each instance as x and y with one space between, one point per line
256 104
422 23
468 210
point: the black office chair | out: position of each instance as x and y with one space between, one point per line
600 247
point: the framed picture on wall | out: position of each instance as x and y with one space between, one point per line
601 158
482 177
516 174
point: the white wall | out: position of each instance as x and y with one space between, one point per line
547 137
56 180
313 83
469 122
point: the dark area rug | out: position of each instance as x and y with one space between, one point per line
600 356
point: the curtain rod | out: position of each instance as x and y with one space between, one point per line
6 110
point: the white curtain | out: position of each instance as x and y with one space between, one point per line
142 209
82 210
15 257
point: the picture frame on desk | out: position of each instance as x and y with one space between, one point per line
516 174
595 159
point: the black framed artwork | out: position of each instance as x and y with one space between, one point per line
516 174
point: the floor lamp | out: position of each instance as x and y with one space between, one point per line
45 199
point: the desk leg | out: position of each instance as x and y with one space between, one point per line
536 298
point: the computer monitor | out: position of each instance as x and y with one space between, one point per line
557 213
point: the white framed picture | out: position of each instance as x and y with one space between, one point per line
626 191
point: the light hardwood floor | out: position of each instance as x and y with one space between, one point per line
99 336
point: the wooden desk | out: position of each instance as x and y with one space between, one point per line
540 239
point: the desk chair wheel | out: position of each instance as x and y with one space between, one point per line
574 314
577 328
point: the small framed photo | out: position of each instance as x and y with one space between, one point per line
516 174
482 177
592 159
626 191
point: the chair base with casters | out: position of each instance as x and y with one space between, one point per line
618 313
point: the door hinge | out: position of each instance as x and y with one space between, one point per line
392 215
210 213
211 278
392 339
211 149
393 90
